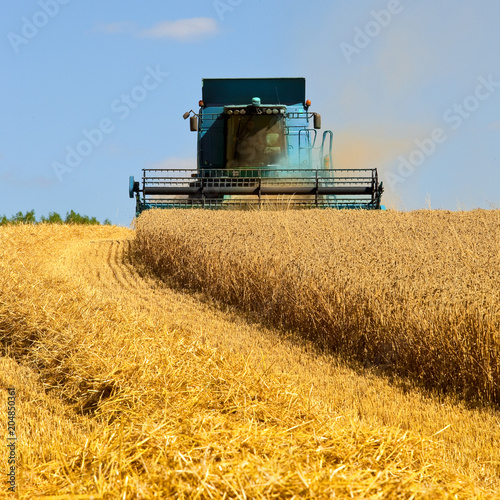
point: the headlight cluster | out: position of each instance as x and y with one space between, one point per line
255 111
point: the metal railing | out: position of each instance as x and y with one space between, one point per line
246 188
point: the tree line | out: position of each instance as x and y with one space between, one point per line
53 218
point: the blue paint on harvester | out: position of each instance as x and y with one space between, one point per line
219 140
255 145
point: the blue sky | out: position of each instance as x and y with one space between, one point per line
409 87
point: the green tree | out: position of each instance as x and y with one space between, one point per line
54 218
27 218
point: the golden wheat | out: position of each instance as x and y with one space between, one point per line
414 292
129 389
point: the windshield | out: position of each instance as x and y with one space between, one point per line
254 140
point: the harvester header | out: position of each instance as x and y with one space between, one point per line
255 148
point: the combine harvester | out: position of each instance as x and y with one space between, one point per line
256 148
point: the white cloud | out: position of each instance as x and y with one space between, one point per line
183 30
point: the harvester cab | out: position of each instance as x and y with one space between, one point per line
256 148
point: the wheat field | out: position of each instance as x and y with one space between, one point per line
417 293
141 372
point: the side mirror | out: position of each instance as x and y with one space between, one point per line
317 121
193 123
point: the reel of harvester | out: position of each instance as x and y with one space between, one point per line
257 188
